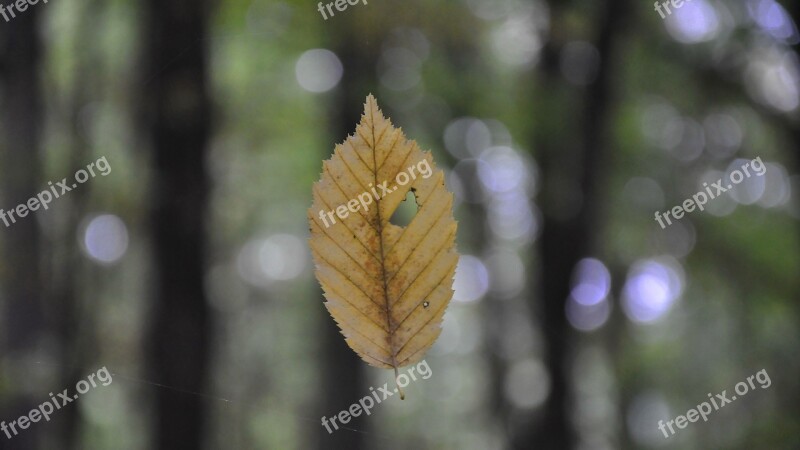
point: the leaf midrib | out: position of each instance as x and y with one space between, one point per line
393 352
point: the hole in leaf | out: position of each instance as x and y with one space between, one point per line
406 211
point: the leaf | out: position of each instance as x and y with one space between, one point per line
387 287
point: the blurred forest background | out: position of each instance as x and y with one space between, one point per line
577 321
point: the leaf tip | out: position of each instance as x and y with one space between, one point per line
372 110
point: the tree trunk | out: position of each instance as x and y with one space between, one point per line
568 236
21 276
344 372
177 111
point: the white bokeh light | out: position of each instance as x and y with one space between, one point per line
280 257
105 239
773 76
516 41
723 135
652 288
527 384
752 187
772 18
694 22
508 271
644 411
318 70
471 280
777 189
512 218
504 169
587 317
591 282
721 205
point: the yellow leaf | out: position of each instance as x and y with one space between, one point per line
387 287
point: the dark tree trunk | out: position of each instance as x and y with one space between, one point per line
568 236
177 111
23 324
344 377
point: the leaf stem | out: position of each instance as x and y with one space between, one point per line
399 389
